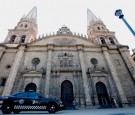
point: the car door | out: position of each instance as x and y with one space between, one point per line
19 98
33 98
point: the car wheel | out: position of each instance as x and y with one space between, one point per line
51 108
7 109
16 111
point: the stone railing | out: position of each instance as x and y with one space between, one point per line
62 34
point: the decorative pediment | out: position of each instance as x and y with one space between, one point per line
33 72
63 41
64 30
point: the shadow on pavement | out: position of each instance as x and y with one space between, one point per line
123 114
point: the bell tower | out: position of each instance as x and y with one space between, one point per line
26 29
97 31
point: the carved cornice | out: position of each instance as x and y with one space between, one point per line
26 70
50 46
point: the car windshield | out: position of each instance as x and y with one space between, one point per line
33 95
23 94
28 95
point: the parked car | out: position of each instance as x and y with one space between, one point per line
27 101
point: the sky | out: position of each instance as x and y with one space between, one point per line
53 14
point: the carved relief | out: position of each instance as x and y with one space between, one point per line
64 30
65 41
67 62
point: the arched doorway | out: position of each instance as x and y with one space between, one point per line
31 87
102 94
67 93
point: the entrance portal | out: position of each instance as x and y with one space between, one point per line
31 87
102 94
67 93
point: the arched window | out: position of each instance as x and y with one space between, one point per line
26 25
98 28
111 40
102 40
134 59
12 39
23 39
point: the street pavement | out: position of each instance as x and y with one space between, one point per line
117 111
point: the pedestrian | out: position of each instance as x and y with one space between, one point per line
74 104
112 102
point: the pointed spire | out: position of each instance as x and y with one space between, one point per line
32 15
23 16
91 18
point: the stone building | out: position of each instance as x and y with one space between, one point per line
133 54
85 69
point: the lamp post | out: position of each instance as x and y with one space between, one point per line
121 16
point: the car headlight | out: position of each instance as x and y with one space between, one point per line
5 97
61 104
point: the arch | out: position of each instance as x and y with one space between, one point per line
98 28
22 38
67 93
102 94
102 40
111 40
12 39
134 59
26 26
31 87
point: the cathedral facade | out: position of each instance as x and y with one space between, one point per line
87 70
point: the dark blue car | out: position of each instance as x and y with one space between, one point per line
27 101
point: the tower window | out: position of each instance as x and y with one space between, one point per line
23 39
2 81
134 59
26 26
111 40
98 28
102 40
12 38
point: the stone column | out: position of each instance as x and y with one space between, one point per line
93 90
48 70
13 72
2 49
114 75
128 61
84 76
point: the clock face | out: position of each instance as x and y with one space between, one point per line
94 61
35 61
